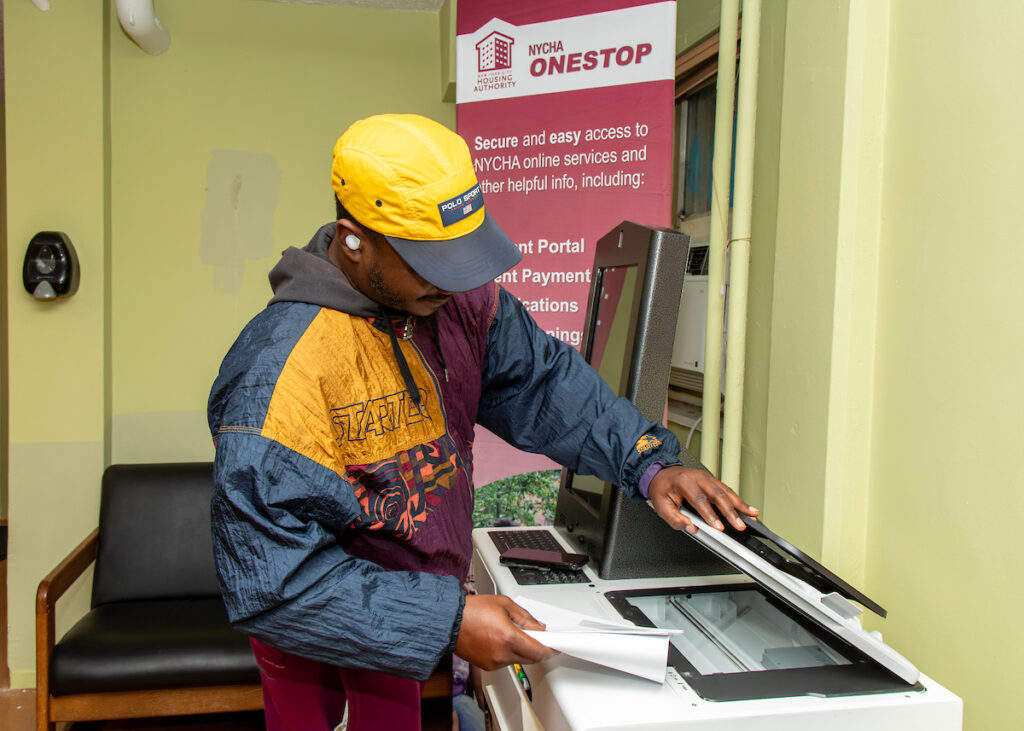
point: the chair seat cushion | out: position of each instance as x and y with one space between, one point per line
152 644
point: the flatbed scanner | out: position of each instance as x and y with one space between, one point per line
772 643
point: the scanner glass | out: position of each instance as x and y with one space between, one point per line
740 642
733 631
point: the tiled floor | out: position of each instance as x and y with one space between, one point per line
18 710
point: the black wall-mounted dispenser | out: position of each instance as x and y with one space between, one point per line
51 266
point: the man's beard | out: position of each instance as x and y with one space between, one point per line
385 295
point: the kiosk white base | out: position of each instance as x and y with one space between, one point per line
567 694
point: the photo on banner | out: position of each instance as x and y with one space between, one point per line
568 111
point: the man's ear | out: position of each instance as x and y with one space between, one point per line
346 228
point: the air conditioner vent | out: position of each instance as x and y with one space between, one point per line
697 261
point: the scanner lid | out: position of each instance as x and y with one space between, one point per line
786 557
803 583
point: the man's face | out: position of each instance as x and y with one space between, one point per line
393 283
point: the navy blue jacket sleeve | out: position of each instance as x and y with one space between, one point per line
540 395
278 520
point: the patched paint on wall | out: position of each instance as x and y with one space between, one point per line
242 190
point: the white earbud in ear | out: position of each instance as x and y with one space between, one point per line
352 241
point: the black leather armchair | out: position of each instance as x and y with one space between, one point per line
157 641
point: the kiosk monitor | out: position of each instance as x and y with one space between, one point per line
635 292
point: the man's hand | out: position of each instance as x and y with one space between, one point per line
674 485
491 637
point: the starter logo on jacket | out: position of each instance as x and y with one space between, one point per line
377 415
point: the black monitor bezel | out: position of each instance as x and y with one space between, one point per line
625 538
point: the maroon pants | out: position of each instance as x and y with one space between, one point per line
306 695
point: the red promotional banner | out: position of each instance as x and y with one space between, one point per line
569 118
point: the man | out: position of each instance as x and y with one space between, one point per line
343 417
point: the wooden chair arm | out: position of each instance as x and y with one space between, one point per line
51 588
58 581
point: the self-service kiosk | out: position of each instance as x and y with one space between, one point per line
764 638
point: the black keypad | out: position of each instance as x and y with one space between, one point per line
540 539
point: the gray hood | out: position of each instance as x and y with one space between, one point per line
308 275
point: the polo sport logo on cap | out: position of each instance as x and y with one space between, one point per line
461 206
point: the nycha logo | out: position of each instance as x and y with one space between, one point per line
494 52
494 62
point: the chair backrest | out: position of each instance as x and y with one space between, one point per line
154 533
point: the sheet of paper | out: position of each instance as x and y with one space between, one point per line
566 620
620 645
643 655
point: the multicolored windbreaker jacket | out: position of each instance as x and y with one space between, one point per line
342 506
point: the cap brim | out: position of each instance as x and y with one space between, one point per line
464 263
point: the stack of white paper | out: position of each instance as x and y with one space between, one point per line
620 645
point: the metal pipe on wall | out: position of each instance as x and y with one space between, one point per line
721 170
739 257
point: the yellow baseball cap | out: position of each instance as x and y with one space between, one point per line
412 180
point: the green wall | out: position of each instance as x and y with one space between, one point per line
892 399
804 267
221 152
881 401
946 475
695 21
180 178
56 178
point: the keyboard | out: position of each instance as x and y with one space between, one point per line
540 539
